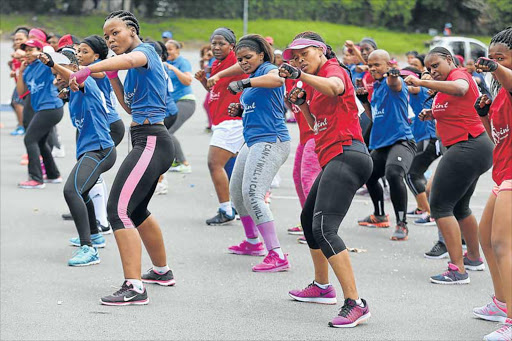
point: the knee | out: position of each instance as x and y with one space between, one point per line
462 212
500 246
112 212
394 173
69 191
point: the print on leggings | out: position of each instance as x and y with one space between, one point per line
254 181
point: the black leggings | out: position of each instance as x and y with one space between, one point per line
426 153
36 143
393 162
117 131
76 190
28 111
457 175
331 195
136 180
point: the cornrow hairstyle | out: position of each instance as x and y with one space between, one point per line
442 52
503 37
71 56
127 17
258 44
329 54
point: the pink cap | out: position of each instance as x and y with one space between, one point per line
270 40
32 43
37 34
302 43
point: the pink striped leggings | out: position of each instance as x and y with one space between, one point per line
305 169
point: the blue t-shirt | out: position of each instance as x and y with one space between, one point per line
89 116
210 63
354 73
484 89
264 111
390 115
109 96
39 80
180 90
145 88
422 130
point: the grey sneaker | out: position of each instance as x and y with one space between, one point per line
401 232
221 218
166 279
452 276
473 265
127 295
438 251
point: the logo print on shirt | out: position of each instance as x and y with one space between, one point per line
128 97
249 108
439 106
79 124
499 135
34 87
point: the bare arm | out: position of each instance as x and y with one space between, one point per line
487 126
414 90
21 87
394 81
123 62
118 88
332 86
458 87
233 70
185 78
368 110
307 115
270 80
201 77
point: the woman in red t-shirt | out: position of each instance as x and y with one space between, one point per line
227 137
327 102
469 155
496 224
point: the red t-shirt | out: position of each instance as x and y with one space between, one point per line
368 84
336 119
455 115
500 116
220 97
305 132
16 64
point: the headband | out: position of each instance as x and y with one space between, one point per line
251 44
226 33
301 43
369 41
98 45
39 34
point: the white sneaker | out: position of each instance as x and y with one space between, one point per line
58 152
503 333
161 187
181 168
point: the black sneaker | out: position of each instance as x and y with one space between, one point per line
126 296
166 279
438 251
221 218
104 229
67 216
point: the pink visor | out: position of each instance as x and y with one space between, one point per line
302 43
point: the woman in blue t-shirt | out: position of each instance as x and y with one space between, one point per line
143 96
180 71
267 148
38 79
95 154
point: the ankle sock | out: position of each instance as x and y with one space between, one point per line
359 302
279 252
226 207
253 241
137 284
322 286
161 269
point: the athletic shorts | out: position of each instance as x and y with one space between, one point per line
16 98
228 135
506 185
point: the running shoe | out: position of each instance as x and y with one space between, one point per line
31 184
438 251
473 265
401 232
296 230
18 131
179 167
302 240
503 333
58 152
314 294
104 229
363 191
375 221
490 312
161 188
52 181
85 255
97 240
166 279
221 218
351 314
426 220
272 263
248 249
452 276
125 296
416 213
67 216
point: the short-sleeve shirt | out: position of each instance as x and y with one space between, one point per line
39 80
109 98
500 115
180 89
422 130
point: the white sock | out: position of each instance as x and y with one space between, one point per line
98 195
322 286
279 251
161 269
253 241
226 207
137 284
359 302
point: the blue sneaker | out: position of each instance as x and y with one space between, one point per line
84 256
18 131
98 241
452 276
425 221
221 218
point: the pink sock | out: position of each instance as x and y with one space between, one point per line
250 229
268 232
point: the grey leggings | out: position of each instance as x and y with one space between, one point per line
186 109
255 167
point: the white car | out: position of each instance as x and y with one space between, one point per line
468 48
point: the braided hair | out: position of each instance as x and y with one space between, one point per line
503 37
127 17
329 54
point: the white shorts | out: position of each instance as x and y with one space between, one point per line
228 135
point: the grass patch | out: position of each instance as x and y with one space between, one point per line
199 30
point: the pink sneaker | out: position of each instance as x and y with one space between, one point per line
246 248
351 315
31 184
52 181
272 263
296 230
313 293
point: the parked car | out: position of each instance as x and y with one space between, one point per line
468 48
